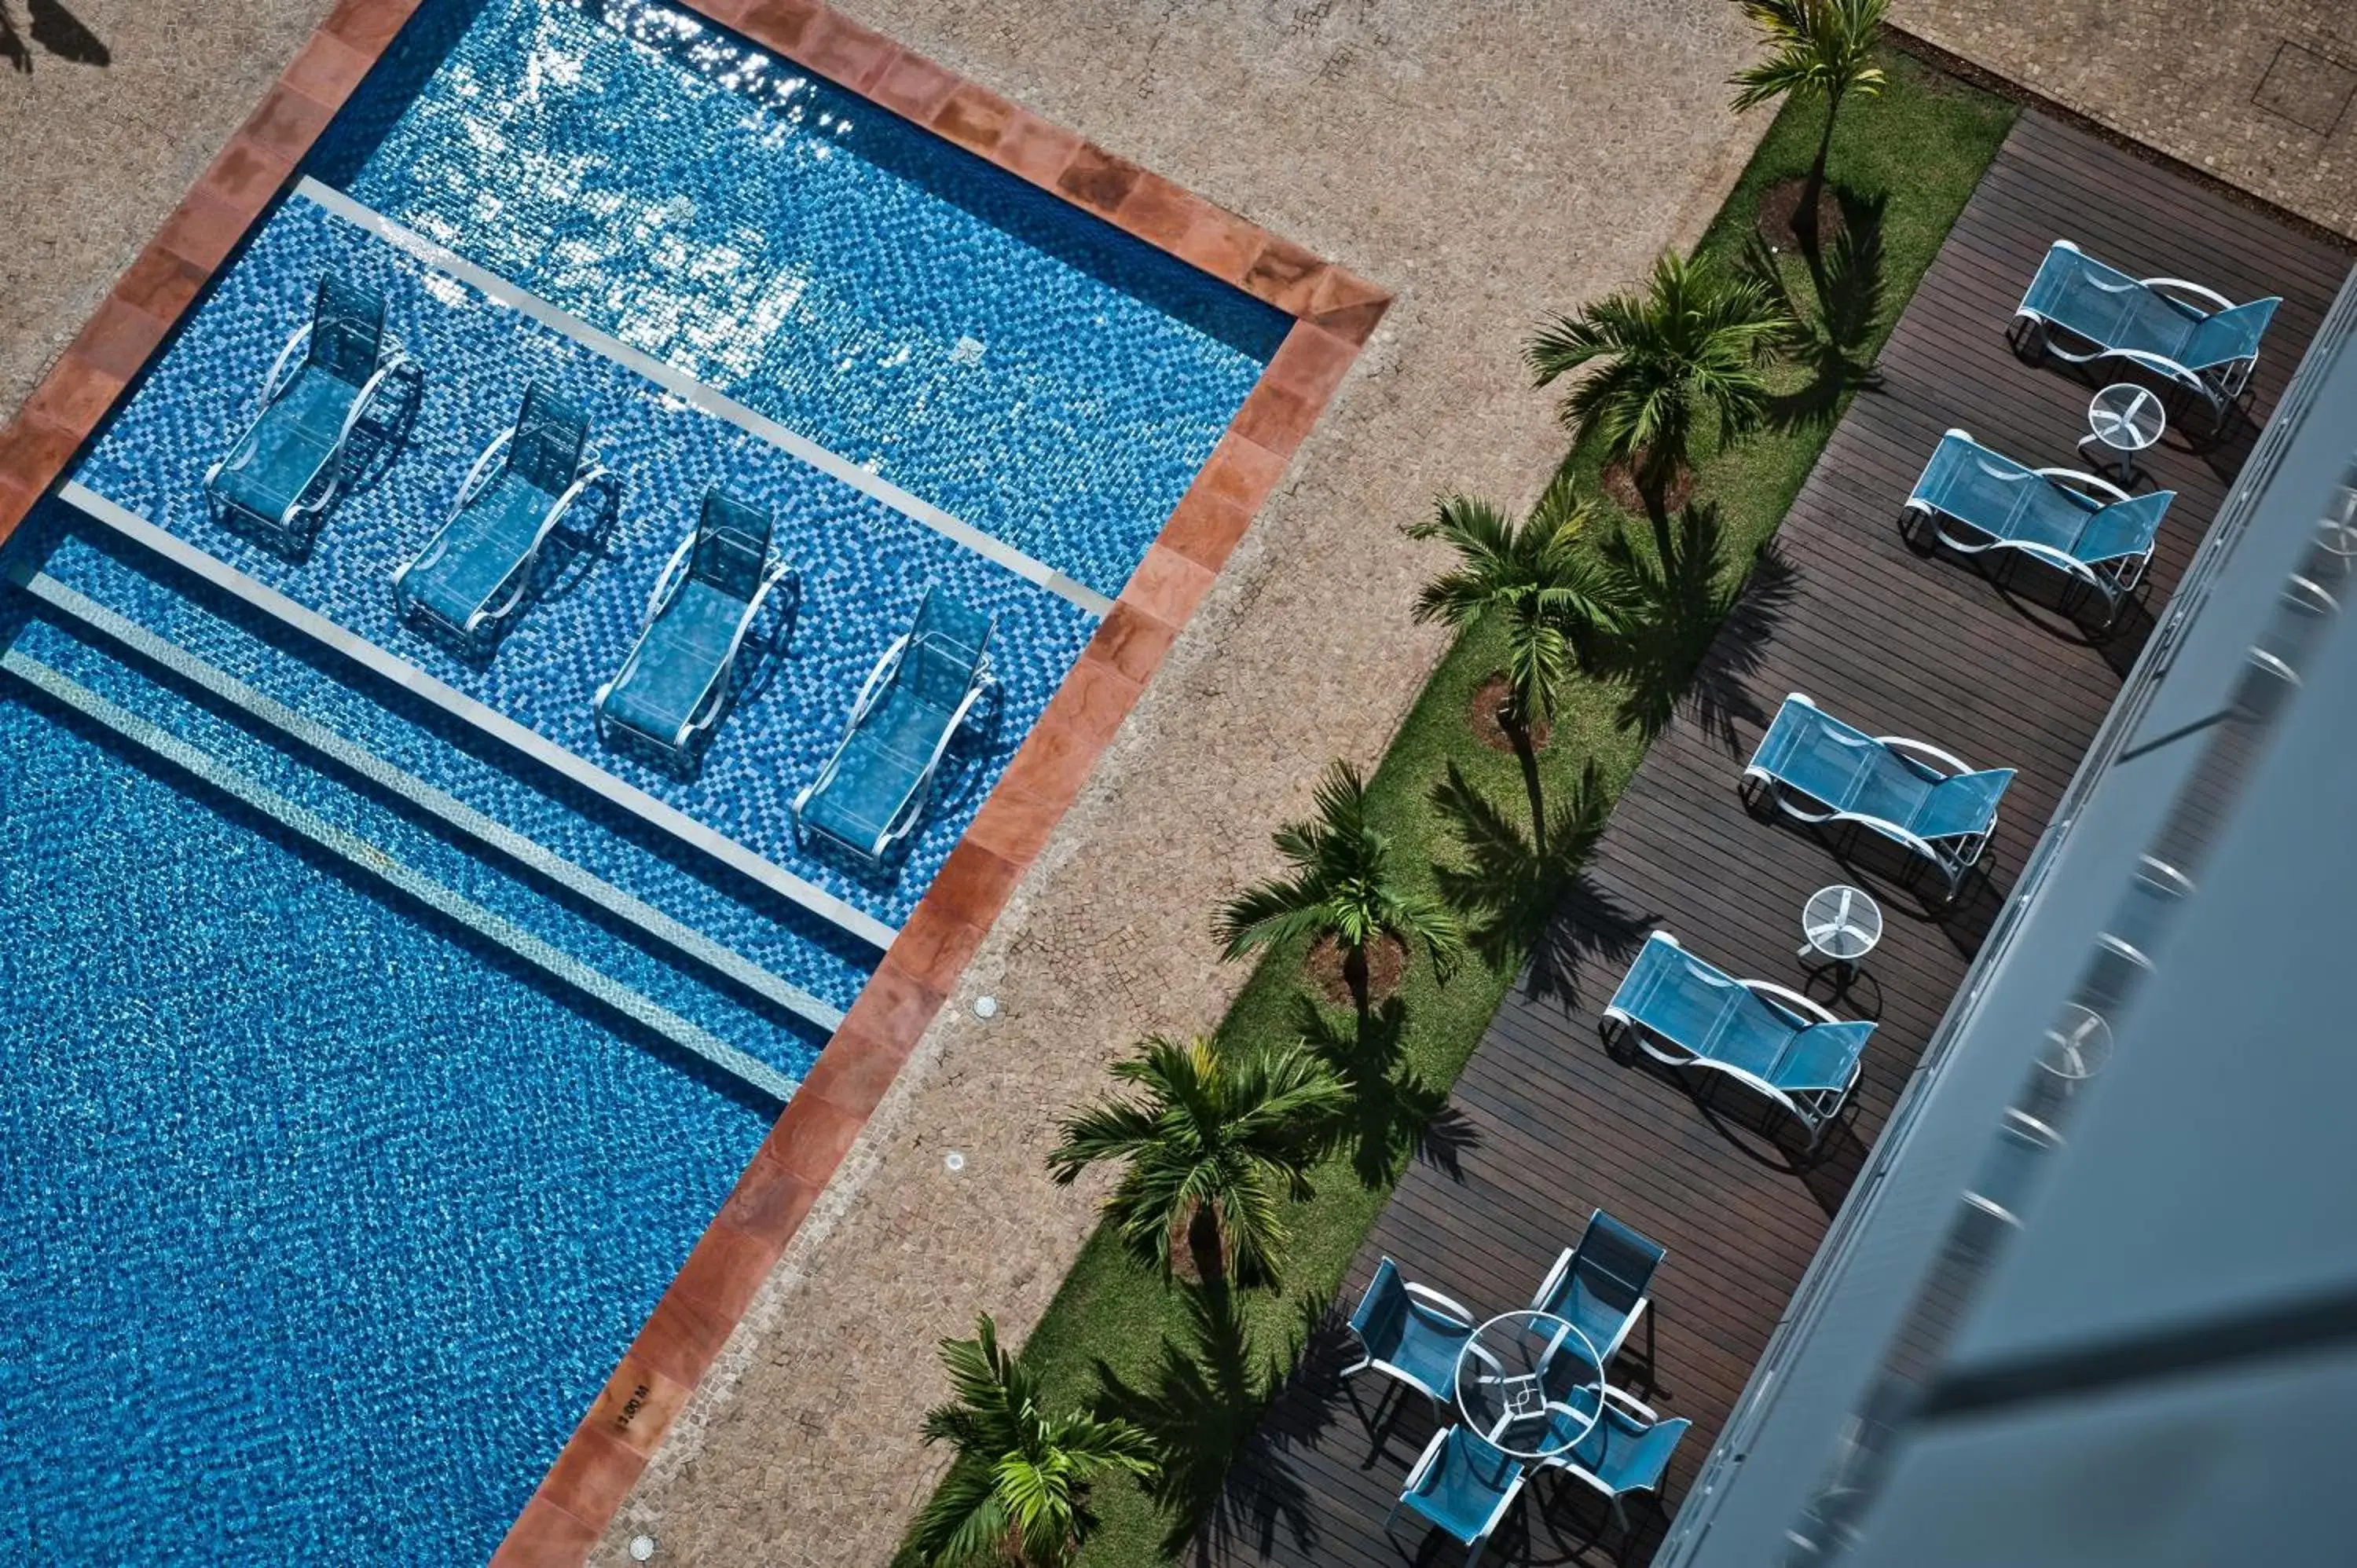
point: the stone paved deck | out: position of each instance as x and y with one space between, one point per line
1485 168
2258 94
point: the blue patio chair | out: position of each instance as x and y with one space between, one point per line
676 684
477 568
2093 532
1627 1451
288 465
1819 769
1600 1285
1463 1486
1410 1333
872 793
1684 1013
2079 309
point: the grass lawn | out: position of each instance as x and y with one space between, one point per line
1922 145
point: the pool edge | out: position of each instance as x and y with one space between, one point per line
1334 313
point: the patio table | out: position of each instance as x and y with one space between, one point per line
1522 1369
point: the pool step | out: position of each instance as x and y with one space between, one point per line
244 662
376 861
442 807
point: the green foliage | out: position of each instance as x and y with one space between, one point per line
1214 1146
1554 600
1922 145
1017 1492
1817 48
1693 344
1346 885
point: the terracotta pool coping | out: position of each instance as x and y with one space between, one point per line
1334 312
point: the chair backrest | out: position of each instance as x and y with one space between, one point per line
347 329
1810 748
1382 1311
545 450
1821 1058
1615 1263
2230 337
1960 805
1636 1453
732 546
2123 529
946 643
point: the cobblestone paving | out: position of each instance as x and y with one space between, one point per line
1487 163
2258 94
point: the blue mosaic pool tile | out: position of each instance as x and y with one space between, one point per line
862 567
449 754
771 1036
980 342
296 1275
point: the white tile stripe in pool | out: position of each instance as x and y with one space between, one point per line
496 835
703 398
496 725
359 851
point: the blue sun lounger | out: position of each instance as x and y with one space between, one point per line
2093 532
2080 310
872 791
676 684
1819 769
287 468
1683 1012
477 568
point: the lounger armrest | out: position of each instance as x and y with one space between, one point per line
1791 1001
1437 1302
2076 479
668 581
2163 286
1912 750
283 369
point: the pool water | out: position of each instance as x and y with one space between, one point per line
978 341
324 1222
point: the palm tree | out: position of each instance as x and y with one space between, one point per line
1017 1492
1818 49
1552 596
1343 887
1213 1147
1693 339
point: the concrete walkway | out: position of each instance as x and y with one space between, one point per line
99 154
1488 164
2258 93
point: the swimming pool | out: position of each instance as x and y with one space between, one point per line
375 1065
302 1269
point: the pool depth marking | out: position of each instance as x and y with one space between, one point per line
490 721
701 398
359 851
496 835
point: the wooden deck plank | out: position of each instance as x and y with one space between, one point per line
1899 642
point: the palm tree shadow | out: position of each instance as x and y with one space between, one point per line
1395 1113
1697 628
1219 1477
1531 904
1833 334
56 29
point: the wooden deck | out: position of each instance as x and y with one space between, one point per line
1895 642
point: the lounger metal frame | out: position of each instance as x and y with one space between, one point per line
321 491
495 609
708 707
2034 334
905 819
1813 1109
2112 580
1953 865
